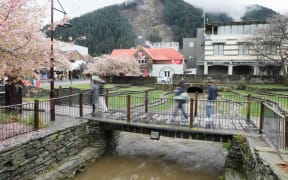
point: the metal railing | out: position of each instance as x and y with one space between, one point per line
229 112
274 125
20 119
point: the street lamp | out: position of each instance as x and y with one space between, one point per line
52 29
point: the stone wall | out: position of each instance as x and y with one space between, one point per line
225 79
131 80
188 78
245 161
57 155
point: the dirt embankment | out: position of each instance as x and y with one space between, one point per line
146 17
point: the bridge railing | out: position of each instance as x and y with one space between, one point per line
227 113
274 124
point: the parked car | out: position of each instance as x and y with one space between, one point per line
163 80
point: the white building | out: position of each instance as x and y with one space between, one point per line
226 50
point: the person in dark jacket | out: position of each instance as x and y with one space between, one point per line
95 94
212 95
180 101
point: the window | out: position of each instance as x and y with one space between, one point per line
253 28
269 49
234 29
218 49
243 49
240 29
167 73
221 30
247 29
227 30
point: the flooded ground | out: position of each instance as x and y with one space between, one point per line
136 157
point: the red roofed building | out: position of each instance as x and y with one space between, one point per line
124 52
155 61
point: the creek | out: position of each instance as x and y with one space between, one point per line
137 157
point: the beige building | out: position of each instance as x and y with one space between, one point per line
226 50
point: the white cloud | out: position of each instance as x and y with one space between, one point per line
236 9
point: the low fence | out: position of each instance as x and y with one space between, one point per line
19 119
229 112
27 117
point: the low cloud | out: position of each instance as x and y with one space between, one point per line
233 8
236 9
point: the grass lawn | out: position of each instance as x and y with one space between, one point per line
30 99
79 86
268 86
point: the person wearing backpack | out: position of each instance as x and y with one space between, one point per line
180 99
212 95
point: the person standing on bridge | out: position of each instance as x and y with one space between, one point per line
181 99
95 94
212 95
102 102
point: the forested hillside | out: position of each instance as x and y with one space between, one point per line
105 29
184 19
117 27
256 12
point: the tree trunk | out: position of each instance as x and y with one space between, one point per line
13 94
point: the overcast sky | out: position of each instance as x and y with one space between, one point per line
235 8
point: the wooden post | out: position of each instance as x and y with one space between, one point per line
261 117
146 101
191 113
196 103
106 97
81 104
70 96
128 108
248 107
36 114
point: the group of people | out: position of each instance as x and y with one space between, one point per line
98 100
181 99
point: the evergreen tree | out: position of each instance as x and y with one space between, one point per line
105 29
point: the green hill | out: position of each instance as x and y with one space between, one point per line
117 26
256 12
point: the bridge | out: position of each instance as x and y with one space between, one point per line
151 113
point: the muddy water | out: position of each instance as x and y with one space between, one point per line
136 157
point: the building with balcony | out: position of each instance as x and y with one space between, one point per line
226 50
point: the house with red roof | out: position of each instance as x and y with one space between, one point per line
155 62
124 52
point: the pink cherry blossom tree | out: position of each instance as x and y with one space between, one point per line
114 66
23 46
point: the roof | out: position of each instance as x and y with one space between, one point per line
73 55
123 52
64 46
163 53
236 23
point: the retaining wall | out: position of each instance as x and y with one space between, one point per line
57 155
